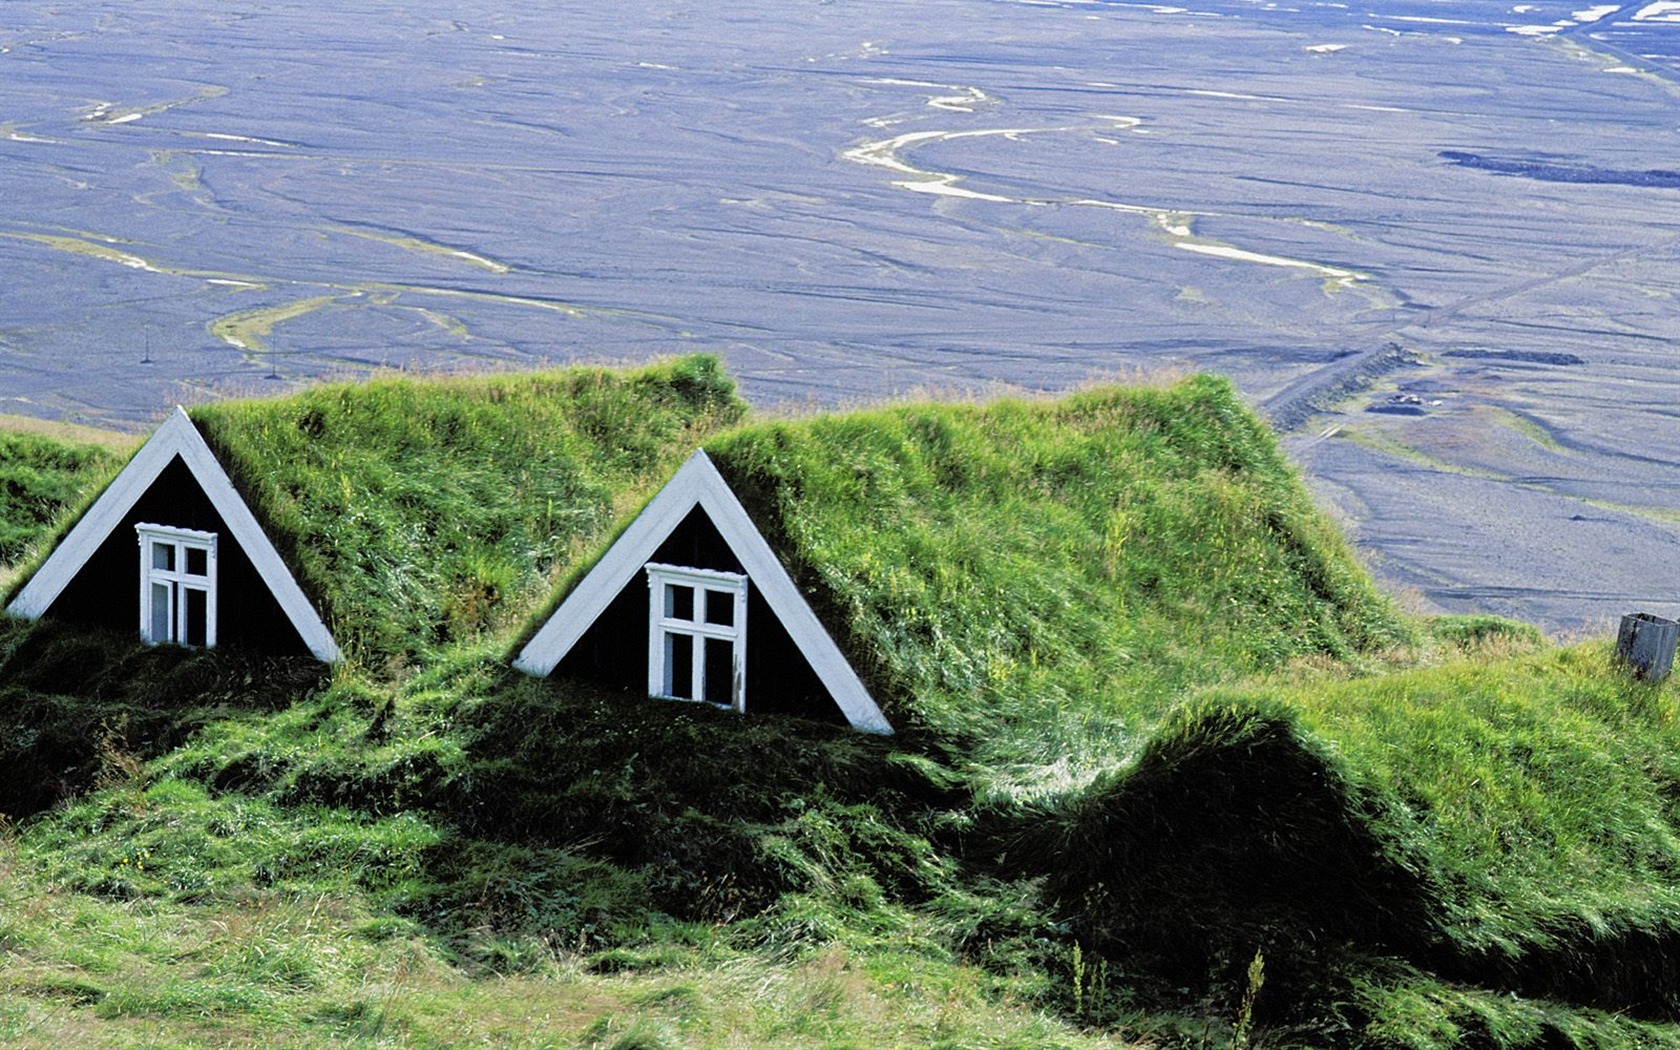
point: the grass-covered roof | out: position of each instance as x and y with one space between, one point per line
1031 564
423 512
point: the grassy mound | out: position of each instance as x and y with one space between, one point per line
1235 833
709 816
1005 567
1507 824
425 513
1542 788
78 708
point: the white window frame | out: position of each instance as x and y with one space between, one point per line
178 580
733 584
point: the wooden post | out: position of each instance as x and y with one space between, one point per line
1646 644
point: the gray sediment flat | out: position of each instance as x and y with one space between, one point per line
1443 211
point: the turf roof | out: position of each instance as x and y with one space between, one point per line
419 513
1025 569
980 565
1012 563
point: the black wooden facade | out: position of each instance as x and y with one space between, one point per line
105 591
613 651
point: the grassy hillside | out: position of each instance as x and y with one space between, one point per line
1170 771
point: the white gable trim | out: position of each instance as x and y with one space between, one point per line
176 437
698 483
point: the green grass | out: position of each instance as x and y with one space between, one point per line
40 479
1506 821
74 702
223 916
320 969
1159 736
1542 789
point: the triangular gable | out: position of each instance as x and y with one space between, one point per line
698 483
176 437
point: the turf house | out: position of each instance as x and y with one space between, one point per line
171 548
670 605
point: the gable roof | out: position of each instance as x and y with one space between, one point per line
698 484
176 438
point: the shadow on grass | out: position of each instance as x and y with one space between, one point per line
74 702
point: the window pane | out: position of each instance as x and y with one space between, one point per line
679 602
679 666
198 619
720 608
720 671
198 561
163 613
163 556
